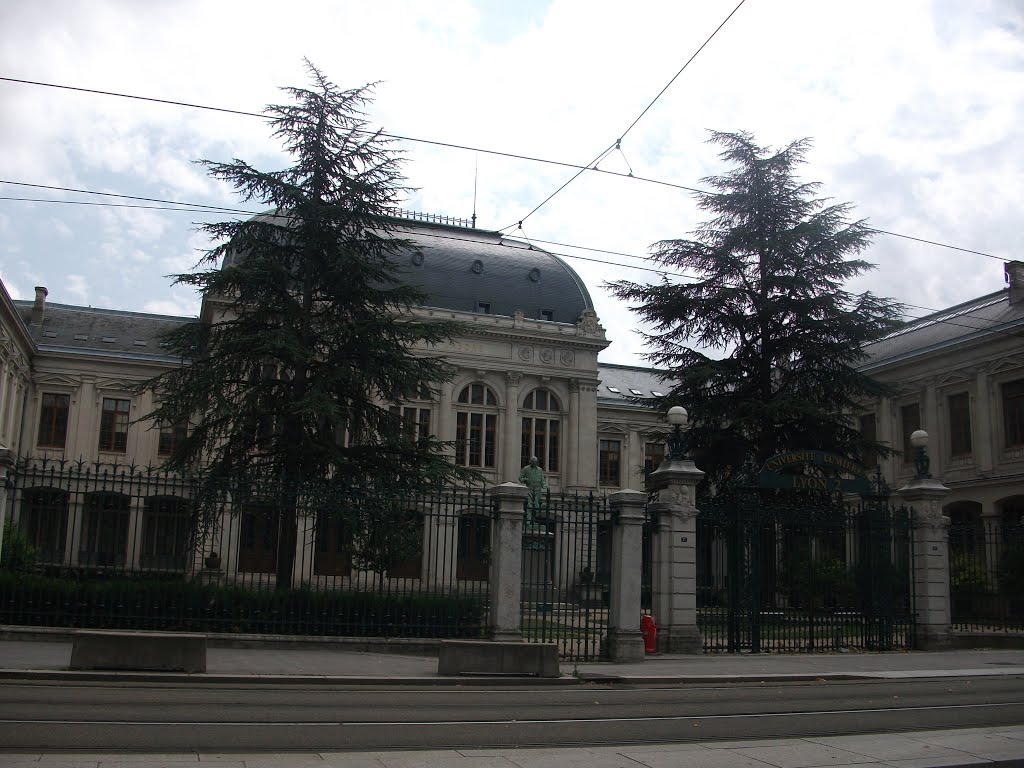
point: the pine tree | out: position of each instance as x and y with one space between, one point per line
308 332
762 348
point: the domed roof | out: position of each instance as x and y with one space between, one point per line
473 270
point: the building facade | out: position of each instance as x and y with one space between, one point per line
528 383
958 374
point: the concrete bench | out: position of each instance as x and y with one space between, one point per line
140 651
484 657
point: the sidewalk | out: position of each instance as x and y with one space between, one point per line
1002 746
993 747
20 657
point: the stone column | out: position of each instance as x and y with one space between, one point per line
506 576
572 457
624 642
930 562
6 463
513 430
445 433
885 435
674 566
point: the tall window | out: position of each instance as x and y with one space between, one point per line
960 424
53 420
104 538
869 431
910 421
44 521
1013 413
257 545
165 533
476 427
415 421
609 462
542 430
114 425
654 455
473 559
171 436
333 544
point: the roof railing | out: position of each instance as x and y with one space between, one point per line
432 218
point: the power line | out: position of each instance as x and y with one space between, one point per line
469 148
197 208
617 144
677 74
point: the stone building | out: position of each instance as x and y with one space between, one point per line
527 383
959 375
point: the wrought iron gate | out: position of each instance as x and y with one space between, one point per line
804 570
566 575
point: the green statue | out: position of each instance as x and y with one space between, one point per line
532 476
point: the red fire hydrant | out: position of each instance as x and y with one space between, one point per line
649 632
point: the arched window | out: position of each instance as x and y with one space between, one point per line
44 521
165 533
104 538
476 427
542 430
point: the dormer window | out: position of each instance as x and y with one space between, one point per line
483 307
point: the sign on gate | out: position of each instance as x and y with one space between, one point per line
770 476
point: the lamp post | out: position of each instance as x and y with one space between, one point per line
919 441
678 418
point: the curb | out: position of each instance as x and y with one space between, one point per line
202 678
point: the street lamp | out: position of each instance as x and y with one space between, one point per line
678 418
919 442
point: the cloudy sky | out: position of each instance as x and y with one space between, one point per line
914 107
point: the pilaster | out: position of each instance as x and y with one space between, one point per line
512 428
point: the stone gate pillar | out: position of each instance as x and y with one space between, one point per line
674 560
930 564
506 574
624 642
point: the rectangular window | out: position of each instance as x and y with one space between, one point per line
114 425
547 314
53 420
654 454
415 421
483 307
1013 413
609 459
171 436
475 438
960 424
910 421
869 431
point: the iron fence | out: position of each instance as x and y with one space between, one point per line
567 574
776 575
128 547
986 575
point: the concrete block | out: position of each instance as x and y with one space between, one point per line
138 651
487 657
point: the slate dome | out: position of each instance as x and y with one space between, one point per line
474 270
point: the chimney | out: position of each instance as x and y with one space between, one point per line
38 305
1015 277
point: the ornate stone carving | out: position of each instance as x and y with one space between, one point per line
513 378
526 353
547 356
588 324
574 385
568 357
517 318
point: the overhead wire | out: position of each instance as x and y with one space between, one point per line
527 158
201 208
617 144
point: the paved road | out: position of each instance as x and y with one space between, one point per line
175 717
